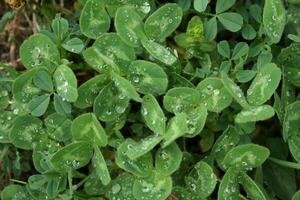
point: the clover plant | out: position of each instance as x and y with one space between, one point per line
155 100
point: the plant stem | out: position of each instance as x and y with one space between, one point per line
17 181
285 163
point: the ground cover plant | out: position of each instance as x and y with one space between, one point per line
153 100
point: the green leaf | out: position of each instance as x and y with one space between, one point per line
223 5
153 114
224 48
296 195
72 156
58 127
290 124
154 187
229 138
246 156
43 80
289 59
37 50
65 83
241 49
121 187
159 52
148 77
129 26
111 53
23 89
177 127
60 27
231 21
125 87
245 76
258 113
252 189
163 22
168 159
38 105
14 192
74 45
200 5
213 94
143 146
61 107
248 32
201 180
294 38
6 123
264 84
195 29
141 166
211 29
110 104
234 90
26 131
229 186
89 90
100 166
181 99
87 128
294 147
274 19
94 20
196 120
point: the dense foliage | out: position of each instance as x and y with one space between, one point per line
152 100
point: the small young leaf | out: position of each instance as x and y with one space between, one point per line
254 114
66 83
153 114
294 147
120 187
241 49
291 124
167 160
274 19
72 156
94 20
211 29
246 156
163 22
196 120
87 128
224 49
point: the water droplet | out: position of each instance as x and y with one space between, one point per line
116 188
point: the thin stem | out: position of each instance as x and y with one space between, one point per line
70 182
4 151
285 163
17 181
